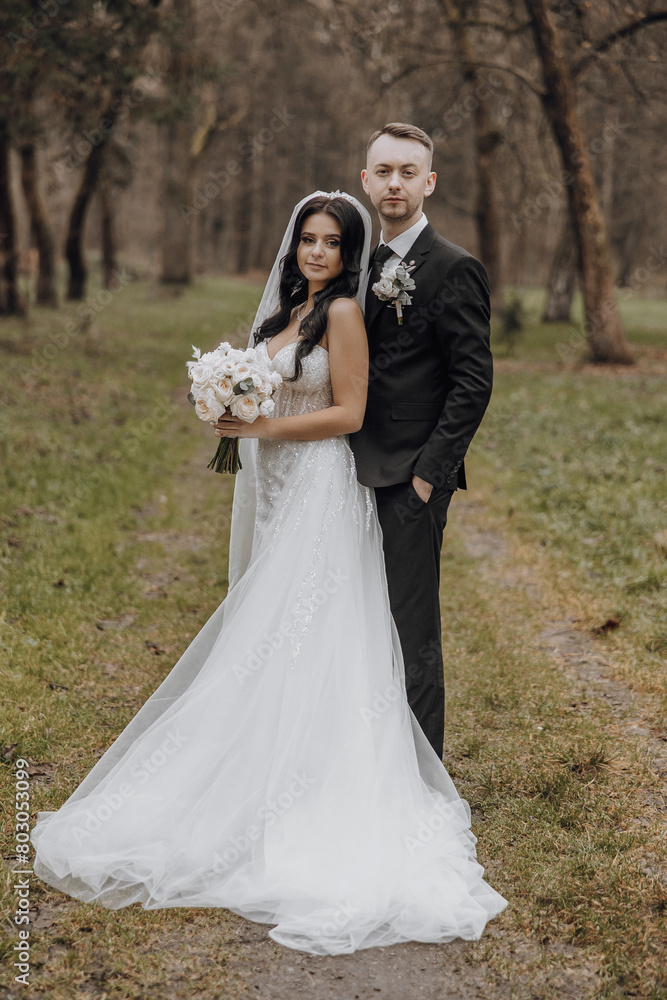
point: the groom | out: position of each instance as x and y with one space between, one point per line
429 384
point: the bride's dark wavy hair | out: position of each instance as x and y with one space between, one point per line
293 290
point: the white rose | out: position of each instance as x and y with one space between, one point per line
242 371
275 378
207 407
198 372
224 348
200 389
383 286
262 383
223 389
245 407
267 407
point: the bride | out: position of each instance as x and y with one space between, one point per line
278 770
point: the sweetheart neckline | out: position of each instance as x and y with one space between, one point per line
291 343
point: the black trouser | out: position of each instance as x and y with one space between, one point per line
412 539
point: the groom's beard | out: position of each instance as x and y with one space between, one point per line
399 211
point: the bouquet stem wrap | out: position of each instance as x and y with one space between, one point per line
226 458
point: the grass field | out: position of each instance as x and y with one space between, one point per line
114 553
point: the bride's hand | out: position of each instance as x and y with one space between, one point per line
233 427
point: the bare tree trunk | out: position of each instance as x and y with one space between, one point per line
606 335
487 139
488 223
630 242
10 299
109 265
178 213
243 215
184 149
217 236
242 224
262 253
78 272
560 285
39 227
183 146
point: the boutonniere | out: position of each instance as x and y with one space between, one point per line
393 286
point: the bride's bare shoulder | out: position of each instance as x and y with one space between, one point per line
342 309
345 329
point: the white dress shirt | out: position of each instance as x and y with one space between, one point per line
402 243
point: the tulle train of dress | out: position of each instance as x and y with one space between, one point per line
278 770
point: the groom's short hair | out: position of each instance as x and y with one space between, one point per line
401 130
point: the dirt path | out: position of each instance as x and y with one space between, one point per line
457 971
574 650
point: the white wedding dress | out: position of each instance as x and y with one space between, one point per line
278 770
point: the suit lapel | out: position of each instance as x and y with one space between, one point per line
417 254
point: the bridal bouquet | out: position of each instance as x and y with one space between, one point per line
393 286
231 379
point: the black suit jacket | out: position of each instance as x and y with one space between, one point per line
430 378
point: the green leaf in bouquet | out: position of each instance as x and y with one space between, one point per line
243 387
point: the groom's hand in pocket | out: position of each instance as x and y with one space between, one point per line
422 488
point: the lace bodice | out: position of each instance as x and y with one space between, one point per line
312 391
277 459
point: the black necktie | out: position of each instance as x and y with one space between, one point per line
380 257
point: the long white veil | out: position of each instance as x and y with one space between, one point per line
245 492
